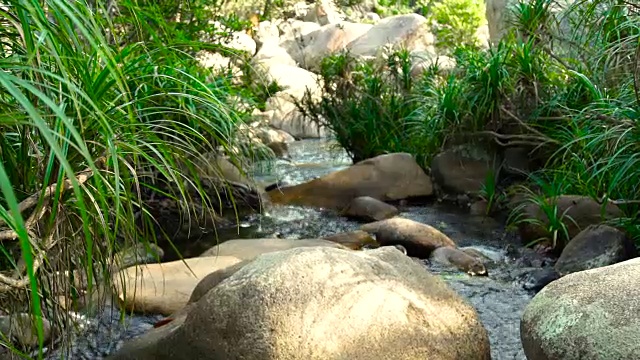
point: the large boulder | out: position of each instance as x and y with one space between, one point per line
594 247
269 135
272 53
207 283
419 239
292 79
576 212
591 314
517 161
309 50
242 42
295 29
282 113
265 32
248 249
462 170
164 288
386 177
322 303
325 12
410 31
366 208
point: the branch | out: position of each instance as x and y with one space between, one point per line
528 127
48 192
10 283
513 136
624 202
10 234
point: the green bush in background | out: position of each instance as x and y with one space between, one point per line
457 21
570 98
366 105
100 109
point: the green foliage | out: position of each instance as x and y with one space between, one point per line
564 85
490 192
546 201
365 104
253 88
386 8
348 3
179 30
91 124
457 21
176 23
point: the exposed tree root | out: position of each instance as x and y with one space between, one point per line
41 247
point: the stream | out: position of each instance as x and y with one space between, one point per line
499 298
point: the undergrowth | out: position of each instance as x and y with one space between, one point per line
563 84
103 109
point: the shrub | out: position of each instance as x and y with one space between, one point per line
571 99
365 104
91 123
457 21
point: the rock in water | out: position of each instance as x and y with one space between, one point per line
355 240
386 177
322 303
462 170
578 212
419 239
593 247
369 209
590 314
248 249
458 258
21 327
165 288
537 279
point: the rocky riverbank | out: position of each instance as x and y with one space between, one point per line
499 298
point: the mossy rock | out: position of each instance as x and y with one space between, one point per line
586 315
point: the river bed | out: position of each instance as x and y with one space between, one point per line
499 298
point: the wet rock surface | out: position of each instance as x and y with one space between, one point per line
387 177
499 298
419 239
366 208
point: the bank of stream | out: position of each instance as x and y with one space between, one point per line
499 298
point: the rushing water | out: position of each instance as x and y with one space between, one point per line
498 298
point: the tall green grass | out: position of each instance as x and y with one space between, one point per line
90 122
365 104
563 83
